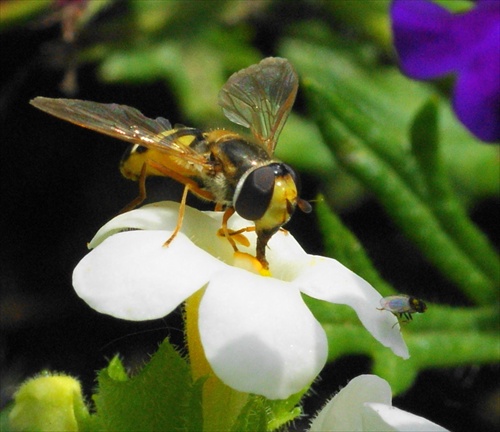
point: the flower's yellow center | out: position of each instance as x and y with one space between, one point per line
249 263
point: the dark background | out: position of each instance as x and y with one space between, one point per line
60 183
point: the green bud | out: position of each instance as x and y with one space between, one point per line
48 403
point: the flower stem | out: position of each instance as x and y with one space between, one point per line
221 404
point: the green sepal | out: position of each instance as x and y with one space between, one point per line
261 414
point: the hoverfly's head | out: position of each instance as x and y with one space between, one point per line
268 195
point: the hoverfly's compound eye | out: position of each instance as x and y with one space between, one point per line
304 205
254 192
285 168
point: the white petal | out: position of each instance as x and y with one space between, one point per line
131 275
259 336
158 216
200 227
327 279
235 222
380 417
343 412
286 257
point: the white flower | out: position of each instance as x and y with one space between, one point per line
257 333
365 404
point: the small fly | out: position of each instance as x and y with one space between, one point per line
402 306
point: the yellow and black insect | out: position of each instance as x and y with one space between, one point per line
402 306
221 166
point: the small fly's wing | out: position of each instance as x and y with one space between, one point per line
395 304
122 122
260 98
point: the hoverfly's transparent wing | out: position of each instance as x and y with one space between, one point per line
122 122
260 98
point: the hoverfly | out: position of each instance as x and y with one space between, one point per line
237 174
402 306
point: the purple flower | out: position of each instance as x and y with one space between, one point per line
431 42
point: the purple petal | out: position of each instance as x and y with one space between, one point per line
477 93
477 32
425 45
431 42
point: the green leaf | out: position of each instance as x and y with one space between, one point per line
406 208
442 337
341 244
16 12
388 101
161 396
4 418
302 133
116 370
437 349
439 194
348 116
367 17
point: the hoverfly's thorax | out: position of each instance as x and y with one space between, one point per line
234 154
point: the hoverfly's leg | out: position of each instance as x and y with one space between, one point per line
237 236
252 228
225 231
241 231
218 207
137 201
180 217
186 181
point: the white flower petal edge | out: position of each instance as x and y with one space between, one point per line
259 336
158 216
200 227
365 405
132 276
379 417
326 279
342 412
